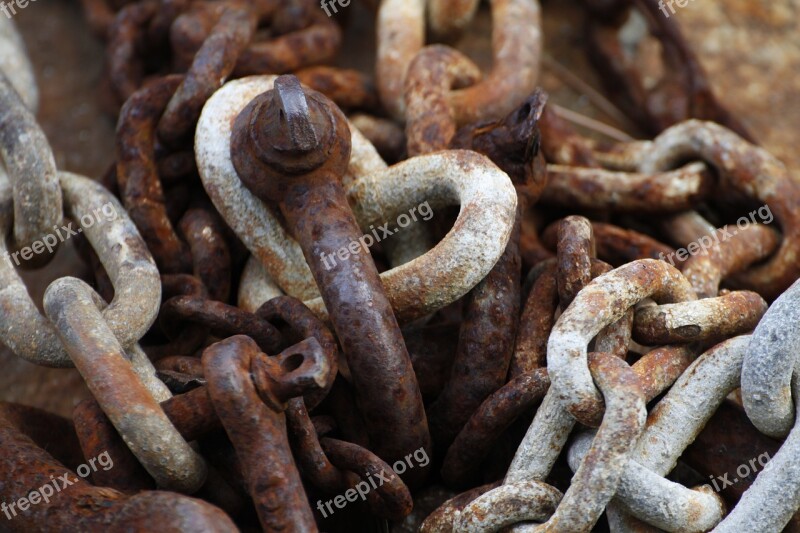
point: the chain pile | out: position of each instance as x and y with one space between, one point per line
529 352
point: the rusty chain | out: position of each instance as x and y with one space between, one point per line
544 349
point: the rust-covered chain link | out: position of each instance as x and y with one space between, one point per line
29 164
401 37
125 257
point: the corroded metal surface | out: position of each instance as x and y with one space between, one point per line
596 343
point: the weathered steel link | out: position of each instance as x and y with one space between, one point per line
189 29
680 509
575 252
442 519
535 323
682 92
562 145
29 161
601 470
659 368
302 322
773 498
683 228
726 438
485 346
615 339
598 475
401 35
770 364
732 252
552 424
588 188
312 38
434 72
512 143
111 378
16 65
191 413
672 425
211 256
489 421
125 64
602 302
618 246
543 441
394 500
746 169
531 501
191 337
348 89
97 435
312 461
710 319
301 168
124 257
219 319
212 64
488 205
181 364
137 174
516 25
